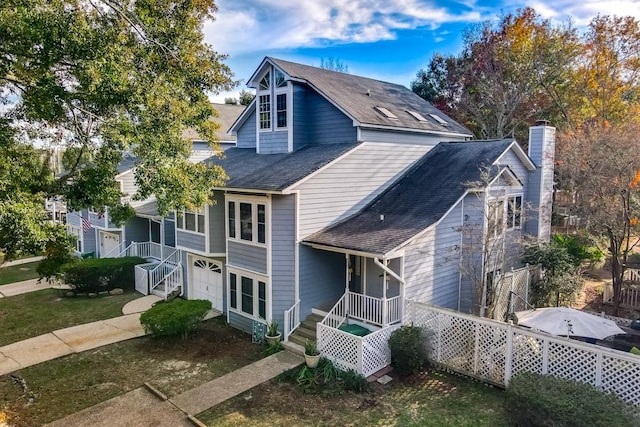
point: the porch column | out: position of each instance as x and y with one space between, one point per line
162 239
346 284
384 296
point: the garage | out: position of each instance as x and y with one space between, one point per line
108 244
206 281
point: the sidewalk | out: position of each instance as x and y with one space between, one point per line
142 407
76 338
21 261
26 286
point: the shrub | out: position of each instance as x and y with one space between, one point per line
545 400
408 347
101 274
178 317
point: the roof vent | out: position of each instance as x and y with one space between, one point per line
388 114
381 217
419 117
439 119
542 122
368 92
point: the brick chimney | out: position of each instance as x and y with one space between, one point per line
542 145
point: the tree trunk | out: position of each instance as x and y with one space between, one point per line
616 275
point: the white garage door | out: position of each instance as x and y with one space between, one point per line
206 281
108 244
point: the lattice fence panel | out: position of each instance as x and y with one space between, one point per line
339 347
573 363
527 353
375 350
457 342
622 377
491 351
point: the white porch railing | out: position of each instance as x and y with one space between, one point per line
291 320
115 252
141 249
373 310
163 269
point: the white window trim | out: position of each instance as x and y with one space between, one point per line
273 91
504 198
281 91
254 201
184 230
256 277
509 198
79 236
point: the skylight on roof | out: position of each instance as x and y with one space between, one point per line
419 117
388 114
438 119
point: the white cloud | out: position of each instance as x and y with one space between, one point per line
582 11
250 25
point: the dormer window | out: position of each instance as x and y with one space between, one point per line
264 102
265 83
280 81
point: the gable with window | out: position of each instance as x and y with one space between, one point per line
193 221
247 221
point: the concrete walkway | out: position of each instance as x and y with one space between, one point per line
76 338
21 261
27 286
142 407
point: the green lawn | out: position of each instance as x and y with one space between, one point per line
18 273
36 313
430 399
51 390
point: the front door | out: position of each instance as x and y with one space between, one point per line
206 280
108 244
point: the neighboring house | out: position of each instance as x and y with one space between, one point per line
97 235
344 187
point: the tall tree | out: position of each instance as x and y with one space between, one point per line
334 64
506 76
102 77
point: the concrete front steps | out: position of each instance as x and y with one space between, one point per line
306 331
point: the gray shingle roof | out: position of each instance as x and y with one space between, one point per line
350 93
415 201
149 208
274 172
227 115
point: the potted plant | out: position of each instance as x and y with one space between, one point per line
311 354
272 336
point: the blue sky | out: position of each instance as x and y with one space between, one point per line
384 39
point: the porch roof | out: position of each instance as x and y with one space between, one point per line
417 200
148 209
275 172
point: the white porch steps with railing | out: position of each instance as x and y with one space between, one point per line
307 330
161 276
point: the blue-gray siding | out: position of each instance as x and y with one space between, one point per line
137 230
216 225
96 219
472 241
246 135
129 187
325 123
300 114
431 264
378 135
274 141
192 241
169 233
241 322
322 278
282 255
346 186
89 236
249 257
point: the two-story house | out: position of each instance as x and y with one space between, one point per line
351 194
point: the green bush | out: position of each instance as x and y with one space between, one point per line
178 317
545 400
101 274
408 347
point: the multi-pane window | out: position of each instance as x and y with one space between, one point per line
496 218
247 221
191 221
248 295
76 232
264 103
514 212
265 82
262 226
281 110
232 219
280 81
233 290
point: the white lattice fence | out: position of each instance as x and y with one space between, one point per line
342 348
375 350
516 281
495 351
